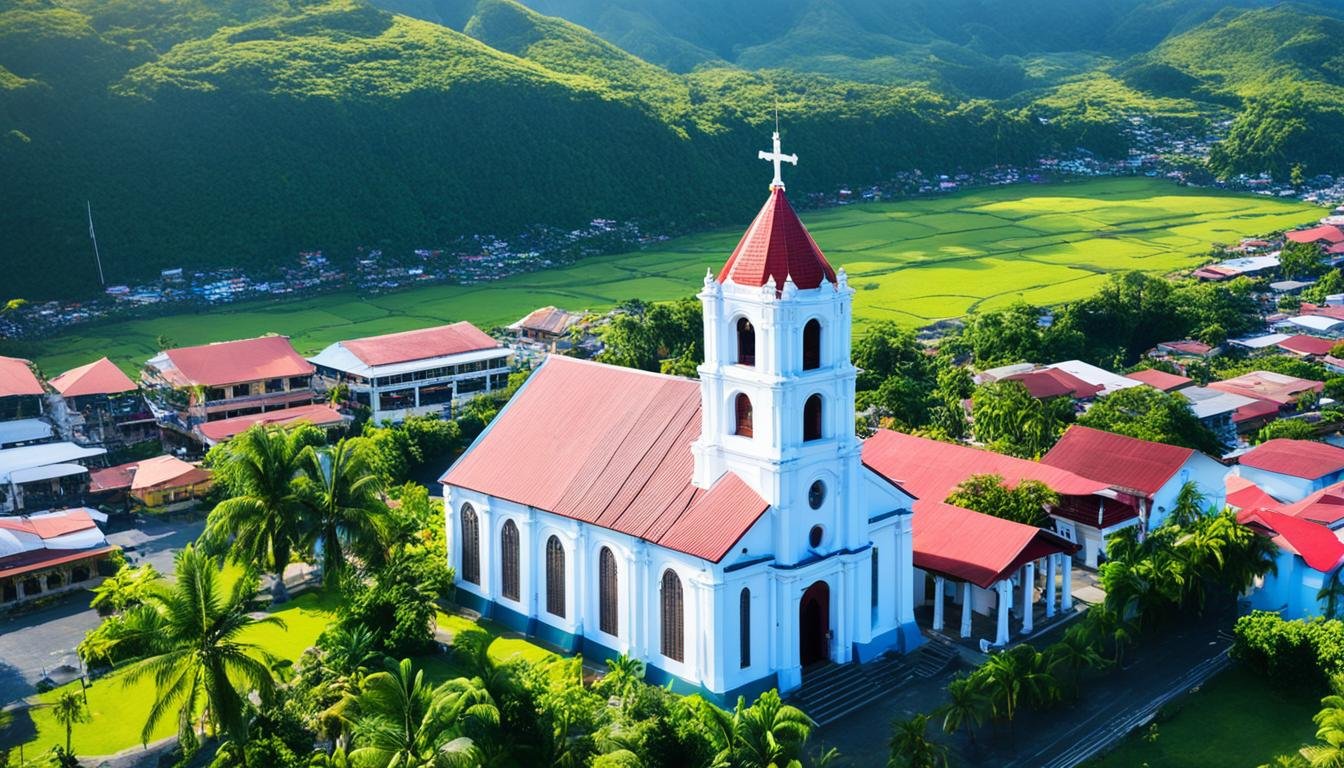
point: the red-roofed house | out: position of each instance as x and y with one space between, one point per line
97 404
318 415
415 372
1160 380
49 553
1307 346
1291 470
1046 383
1244 494
189 386
158 482
1278 388
723 531
1152 473
545 324
1186 348
20 391
1325 234
1309 553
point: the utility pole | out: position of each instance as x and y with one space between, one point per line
99 259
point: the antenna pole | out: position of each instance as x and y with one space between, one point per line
97 258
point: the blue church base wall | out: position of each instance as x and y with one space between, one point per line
902 639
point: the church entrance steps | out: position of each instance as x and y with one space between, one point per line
832 691
932 658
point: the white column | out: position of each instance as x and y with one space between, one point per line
1028 595
1050 573
1005 589
937 603
1066 600
966 609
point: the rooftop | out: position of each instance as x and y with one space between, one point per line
1125 463
232 362
17 378
1313 542
777 247
1324 233
1166 382
549 320
1279 388
422 344
1306 459
317 414
1308 345
1053 382
101 377
1108 381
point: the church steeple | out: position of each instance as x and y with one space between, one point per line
775 248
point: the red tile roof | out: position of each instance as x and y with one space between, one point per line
1244 494
1307 345
233 362
1053 382
1306 459
17 378
101 377
1326 232
1125 463
50 526
776 246
1325 506
1167 382
977 548
611 447
421 344
1268 385
317 414
1315 543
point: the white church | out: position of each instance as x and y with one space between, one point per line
725 531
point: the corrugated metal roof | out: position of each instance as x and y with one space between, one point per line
1244 494
420 344
17 378
1268 385
233 362
1125 463
101 377
1166 382
777 246
977 548
611 447
1313 542
1325 506
317 414
1306 459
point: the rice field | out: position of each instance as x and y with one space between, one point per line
912 261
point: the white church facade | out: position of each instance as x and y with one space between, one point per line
725 531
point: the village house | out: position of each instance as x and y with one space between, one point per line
163 481
22 420
191 386
50 553
319 415
1291 470
546 325
1277 393
98 405
44 476
1309 555
1185 348
1147 476
1160 380
415 373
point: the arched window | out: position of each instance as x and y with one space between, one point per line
746 342
812 418
742 415
811 345
606 592
744 622
471 546
508 551
673 646
555 577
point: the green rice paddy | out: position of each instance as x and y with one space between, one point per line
912 261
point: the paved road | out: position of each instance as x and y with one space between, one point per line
35 642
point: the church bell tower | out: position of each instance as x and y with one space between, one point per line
777 384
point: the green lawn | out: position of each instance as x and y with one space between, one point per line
913 261
1235 721
440 668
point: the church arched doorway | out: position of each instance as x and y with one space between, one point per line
814 625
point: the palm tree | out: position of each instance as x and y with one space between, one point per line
1329 752
403 722
202 661
771 733
344 510
1011 675
68 710
260 523
1072 655
123 589
965 708
911 747
1191 504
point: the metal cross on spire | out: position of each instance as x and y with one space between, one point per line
777 157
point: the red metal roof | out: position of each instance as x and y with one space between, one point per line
1187 347
49 526
1306 459
422 344
1322 310
977 548
101 377
233 362
611 447
1325 506
115 478
1325 232
17 378
1167 382
776 246
317 414
1125 463
548 320
36 560
1053 382
1307 345
1316 544
1244 494
1258 409
1268 385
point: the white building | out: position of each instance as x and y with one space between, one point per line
415 373
44 476
725 531
1291 470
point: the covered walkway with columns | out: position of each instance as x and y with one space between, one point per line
985 578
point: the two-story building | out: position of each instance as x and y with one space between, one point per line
415 373
22 417
96 404
190 386
1291 470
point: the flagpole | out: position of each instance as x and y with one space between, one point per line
89 206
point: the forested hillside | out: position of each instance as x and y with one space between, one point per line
243 131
